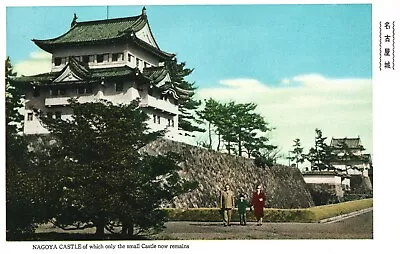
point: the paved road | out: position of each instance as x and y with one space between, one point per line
358 226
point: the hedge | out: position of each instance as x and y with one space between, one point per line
313 214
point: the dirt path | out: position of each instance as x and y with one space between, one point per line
356 227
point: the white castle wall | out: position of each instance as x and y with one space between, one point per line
45 104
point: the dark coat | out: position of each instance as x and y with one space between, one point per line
258 202
242 205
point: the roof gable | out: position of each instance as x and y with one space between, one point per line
73 71
67 75
146 35
133 29
354 143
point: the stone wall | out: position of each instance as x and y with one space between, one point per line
284 186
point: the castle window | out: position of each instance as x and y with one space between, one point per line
114 57
119 87
30 116
58 91
57 61
84 90
62 91
158 119
36 92
130 57
58 115
92 58
100 58
154 118
138 62
85 59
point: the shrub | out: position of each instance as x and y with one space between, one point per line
313 214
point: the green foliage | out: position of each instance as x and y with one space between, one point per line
187 105
263 162
237 125
323 194
97 174
328 211
313 214
22 209
321 156
297 153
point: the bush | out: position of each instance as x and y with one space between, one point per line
313 214
323 194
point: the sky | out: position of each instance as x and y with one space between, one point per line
305 66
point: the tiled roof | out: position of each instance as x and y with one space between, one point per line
98 30
94 74
155 74
43 77
310 173
102 31
350 142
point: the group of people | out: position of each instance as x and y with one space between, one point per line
227 204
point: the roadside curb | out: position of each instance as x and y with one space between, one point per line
345 216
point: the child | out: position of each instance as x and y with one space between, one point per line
242 204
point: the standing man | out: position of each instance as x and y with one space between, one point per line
258 202
227 203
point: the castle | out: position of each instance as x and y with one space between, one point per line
117 60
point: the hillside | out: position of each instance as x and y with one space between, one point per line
284 186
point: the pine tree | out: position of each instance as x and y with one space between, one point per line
100 175
297 152
187 105
321 156
21 209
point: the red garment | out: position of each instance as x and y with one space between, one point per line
258 204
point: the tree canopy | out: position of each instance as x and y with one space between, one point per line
237 126
99 175
22 212
296 155
321 155
187 104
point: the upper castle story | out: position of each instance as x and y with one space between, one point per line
107 43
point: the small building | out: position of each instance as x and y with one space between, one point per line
350 156
336 181
117 60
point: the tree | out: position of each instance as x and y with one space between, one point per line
236 125
187 105
22 212
100 174
297 153
217 116
321 156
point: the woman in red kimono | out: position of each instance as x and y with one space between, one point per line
258 202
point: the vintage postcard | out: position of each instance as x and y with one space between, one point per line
180 122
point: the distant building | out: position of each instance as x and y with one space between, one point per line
351 161
117 60
351 156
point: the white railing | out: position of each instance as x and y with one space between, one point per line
150 101
60 101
